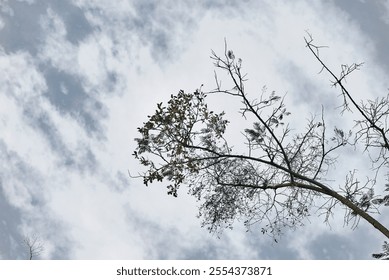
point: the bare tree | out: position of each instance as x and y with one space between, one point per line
34 246
281 178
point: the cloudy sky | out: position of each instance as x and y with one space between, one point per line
78 76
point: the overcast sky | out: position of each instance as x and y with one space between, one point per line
77 77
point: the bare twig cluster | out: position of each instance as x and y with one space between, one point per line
371 131
34 246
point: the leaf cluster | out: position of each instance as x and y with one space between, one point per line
170 135
385 252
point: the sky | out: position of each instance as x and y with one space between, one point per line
77 77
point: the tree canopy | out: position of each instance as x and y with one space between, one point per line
281 178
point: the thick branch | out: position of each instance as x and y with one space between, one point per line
314 186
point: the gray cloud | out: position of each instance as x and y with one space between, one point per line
23 209
67 94
11 237
370 15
